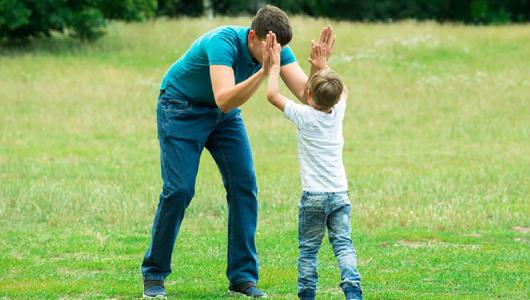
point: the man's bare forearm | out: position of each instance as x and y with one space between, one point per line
238 94
312 71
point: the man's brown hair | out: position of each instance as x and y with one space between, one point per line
271 18
326 87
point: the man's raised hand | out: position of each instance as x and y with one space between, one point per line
266 53
269 45
273 89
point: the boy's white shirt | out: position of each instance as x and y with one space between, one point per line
320 143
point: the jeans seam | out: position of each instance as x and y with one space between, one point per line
225 165
162 208
163 204
303 238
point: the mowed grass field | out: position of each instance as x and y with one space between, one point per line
437 152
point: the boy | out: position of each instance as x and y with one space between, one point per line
325 201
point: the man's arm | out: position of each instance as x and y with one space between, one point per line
229 95
295 79
273 88
293 75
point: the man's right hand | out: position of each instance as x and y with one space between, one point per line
267 52
273 89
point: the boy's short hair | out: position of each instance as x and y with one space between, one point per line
326 87
271 18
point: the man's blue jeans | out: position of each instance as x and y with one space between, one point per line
184 129
318 211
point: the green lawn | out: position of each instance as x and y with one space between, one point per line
437 151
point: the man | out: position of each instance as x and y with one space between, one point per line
198 107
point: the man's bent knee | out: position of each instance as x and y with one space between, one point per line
176 194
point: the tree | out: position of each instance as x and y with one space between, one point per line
86 19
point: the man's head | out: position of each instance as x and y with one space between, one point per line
268 18
325 88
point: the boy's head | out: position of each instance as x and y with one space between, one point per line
325 88
268 18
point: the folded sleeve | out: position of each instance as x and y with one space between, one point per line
286 56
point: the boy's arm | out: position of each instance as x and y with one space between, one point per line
273 89
297 113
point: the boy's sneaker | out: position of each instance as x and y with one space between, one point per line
307 295
353 293
246 289
154 289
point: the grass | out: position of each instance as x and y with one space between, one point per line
437 155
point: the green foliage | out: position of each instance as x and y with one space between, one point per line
128 10
86 19
180 7
235 7
469 11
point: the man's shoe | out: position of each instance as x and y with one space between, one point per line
246 289
353 293
307 295
154 289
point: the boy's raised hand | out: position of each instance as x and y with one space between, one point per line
276 50
327 40
318 55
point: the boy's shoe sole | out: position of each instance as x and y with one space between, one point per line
154 297
238 294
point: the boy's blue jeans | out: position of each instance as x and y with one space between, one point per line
318 211
184 129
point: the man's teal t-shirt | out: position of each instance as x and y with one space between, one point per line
189 77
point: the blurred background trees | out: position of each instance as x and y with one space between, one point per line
468 11
86 19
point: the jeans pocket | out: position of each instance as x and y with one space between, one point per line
174 107
314 200
311 222
340 199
